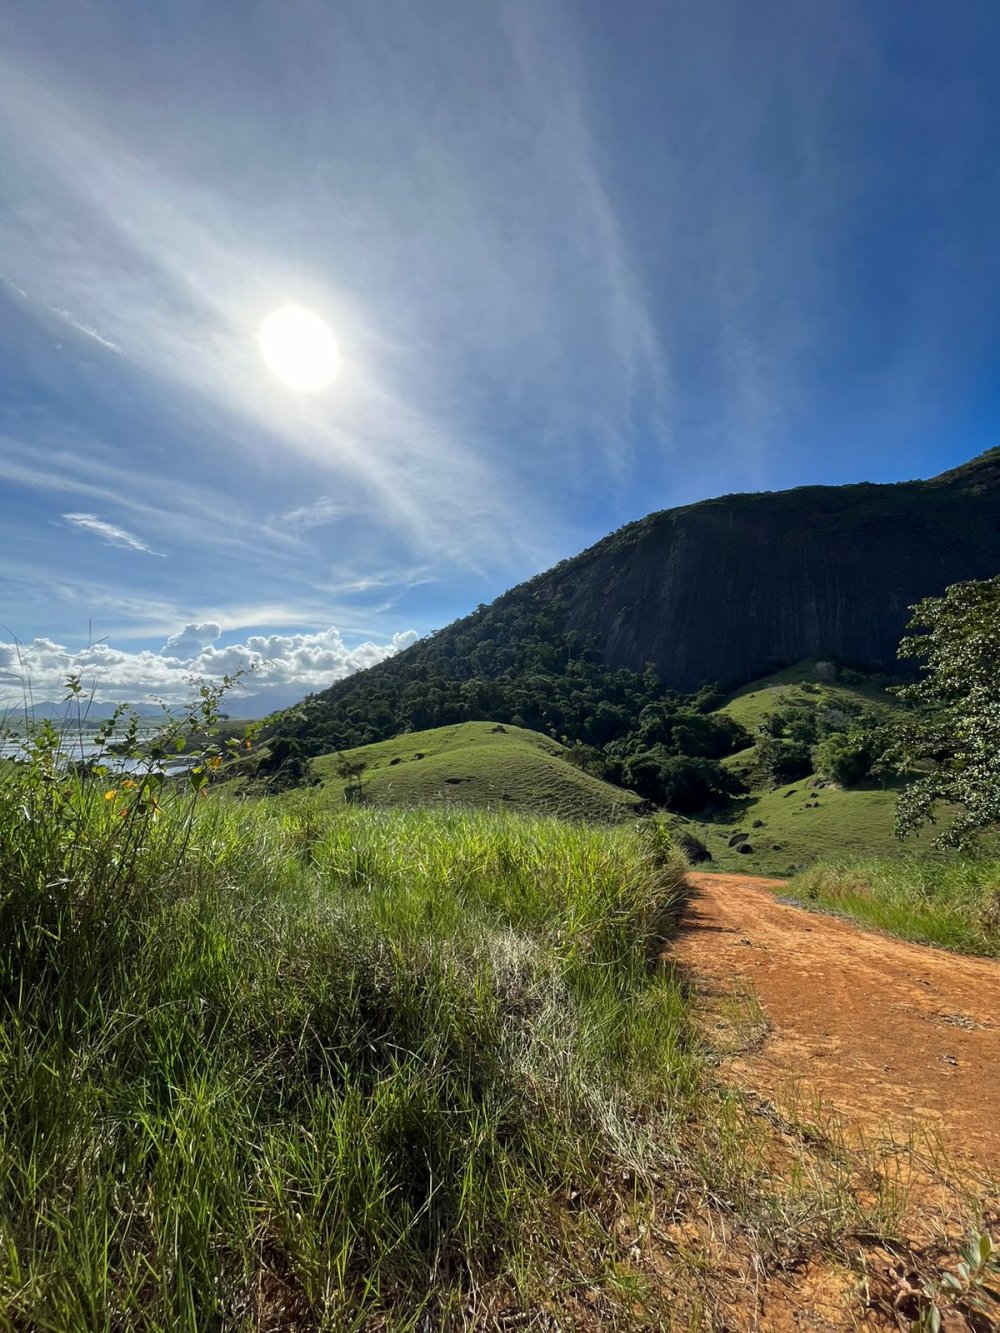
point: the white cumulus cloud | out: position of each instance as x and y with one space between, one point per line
285 667
191 639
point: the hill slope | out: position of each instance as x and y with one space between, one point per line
477 764
717 591
796 823
780 689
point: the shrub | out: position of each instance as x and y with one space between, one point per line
845 759
782 761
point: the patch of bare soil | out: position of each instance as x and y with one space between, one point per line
893 1036
881 1045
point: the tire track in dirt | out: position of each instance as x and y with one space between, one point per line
886 1033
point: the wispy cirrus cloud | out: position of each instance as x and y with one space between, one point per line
476 313
110 533
317 514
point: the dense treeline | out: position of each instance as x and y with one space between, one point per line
509 663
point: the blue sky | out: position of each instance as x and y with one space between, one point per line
582 261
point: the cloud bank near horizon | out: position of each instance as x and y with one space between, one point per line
283 667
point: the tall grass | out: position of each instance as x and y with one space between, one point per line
271 1069
954 904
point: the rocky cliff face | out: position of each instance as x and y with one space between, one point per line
719 590
727 589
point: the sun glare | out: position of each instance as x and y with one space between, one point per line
299 349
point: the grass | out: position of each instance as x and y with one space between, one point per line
802 823
769 694
809 820
954 905
480 764
269 1068
266 1064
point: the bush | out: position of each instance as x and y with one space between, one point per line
782 761
693 848
685 785
845 759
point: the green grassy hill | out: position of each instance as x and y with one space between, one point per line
797 684
480 764
802 823
794 825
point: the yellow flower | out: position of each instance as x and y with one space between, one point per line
110 795
215 762
128 783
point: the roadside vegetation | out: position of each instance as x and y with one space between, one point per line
944 751
263 1068
953 904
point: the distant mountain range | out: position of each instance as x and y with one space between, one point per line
724 591
56 712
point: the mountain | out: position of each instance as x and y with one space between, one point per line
718 590
723 590
65 711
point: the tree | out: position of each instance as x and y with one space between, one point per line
846 757
351 770
956 728
679 782
285 765
782 761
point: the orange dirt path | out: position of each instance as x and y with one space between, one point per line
889 1034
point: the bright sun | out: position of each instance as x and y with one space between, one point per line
299 348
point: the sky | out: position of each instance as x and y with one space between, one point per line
582 261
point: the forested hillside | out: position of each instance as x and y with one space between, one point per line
725 590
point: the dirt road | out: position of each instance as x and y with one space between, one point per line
887 1033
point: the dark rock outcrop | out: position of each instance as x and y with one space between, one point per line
726 589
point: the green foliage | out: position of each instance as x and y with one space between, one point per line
508 668
284 765
99 812
955 728
515 669
816 728
588 759
519 671
975 1283
953 904
971 1290
261 1068
679 782
847 758
351 768
804 687
782 760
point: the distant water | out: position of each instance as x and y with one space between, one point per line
75 751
